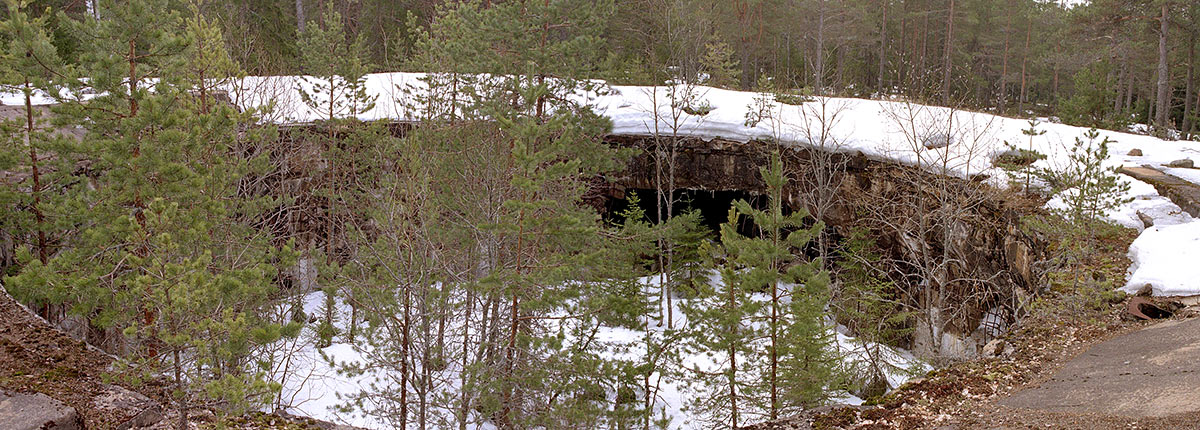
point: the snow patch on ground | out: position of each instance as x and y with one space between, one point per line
317 388
1168 259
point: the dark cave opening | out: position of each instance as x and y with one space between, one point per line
713 206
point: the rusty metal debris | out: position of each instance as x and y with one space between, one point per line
1145 309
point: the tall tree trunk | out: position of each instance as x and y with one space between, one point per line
733 403
1187 98
1129 83
301 20
43 256
1152 94
882 48
1164 95
902 70
139 205
405 347
182 402
1122 76
919 73
947 61
1024 63
820 66
776 211
464 407
1001 97
1197 104
36 191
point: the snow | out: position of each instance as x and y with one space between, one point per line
311 383
318 388
1165 257
888 130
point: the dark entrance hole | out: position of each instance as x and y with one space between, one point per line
713 206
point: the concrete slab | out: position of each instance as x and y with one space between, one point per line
1179 190
1153 372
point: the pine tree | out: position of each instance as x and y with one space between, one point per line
181 272
1090 188
774 351
1031 132
337 93
140 41
1091 103
796 335
29 61
719 320
719 63
337 66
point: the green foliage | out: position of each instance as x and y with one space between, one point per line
1020 160
775 351
166 251
25 62
625 70
1091 104
1088 190
687 236
337 66
719 64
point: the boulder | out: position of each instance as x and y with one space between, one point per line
934 141
36 411
1134 152
1147 290
1185 163
995 348
1146 220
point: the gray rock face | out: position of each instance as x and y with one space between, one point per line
36 412
1134 152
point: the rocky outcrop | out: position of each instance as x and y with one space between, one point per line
954 246
36 411
62 376
130 409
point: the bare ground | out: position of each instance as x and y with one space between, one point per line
35 358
